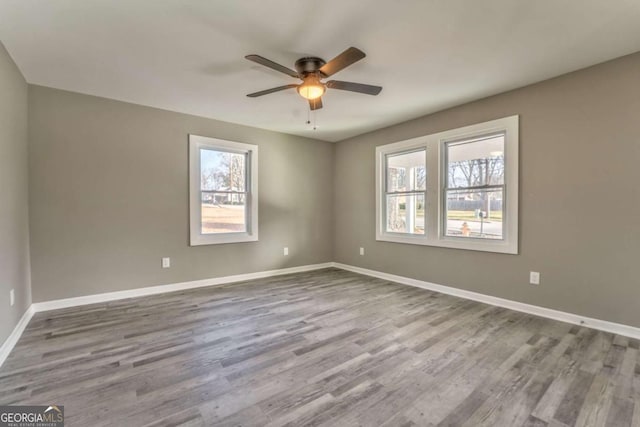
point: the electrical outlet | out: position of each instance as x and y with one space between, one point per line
361 251
166 262
12 297
534 278
286 251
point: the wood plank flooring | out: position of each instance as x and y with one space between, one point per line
323 348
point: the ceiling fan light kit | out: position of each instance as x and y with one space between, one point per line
311 70
311 88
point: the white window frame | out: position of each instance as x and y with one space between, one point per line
196 143
435 203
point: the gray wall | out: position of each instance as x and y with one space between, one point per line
14 216
109 197
579 206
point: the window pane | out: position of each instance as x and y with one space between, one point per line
406 171
222 171
476 162
405 213
476 214
223 213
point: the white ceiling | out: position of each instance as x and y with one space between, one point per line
188 55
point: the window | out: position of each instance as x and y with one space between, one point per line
456 189
474 187
405 192
223 191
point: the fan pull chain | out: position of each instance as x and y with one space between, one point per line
314 120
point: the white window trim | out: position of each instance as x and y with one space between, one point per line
434 201
195 212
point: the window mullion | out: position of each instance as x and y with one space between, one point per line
404 193
432 203
476 188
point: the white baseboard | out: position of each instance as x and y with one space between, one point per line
173 287
602 325
11 341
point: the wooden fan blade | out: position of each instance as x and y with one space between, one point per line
354 87
315 104
268 91
273 65
342 61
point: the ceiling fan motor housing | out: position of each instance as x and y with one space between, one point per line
309 65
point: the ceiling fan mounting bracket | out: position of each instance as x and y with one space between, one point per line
309 64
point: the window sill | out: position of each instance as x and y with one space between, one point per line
222 238
500 246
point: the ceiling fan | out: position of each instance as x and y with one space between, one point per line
311 70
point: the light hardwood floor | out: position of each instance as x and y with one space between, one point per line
328 347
